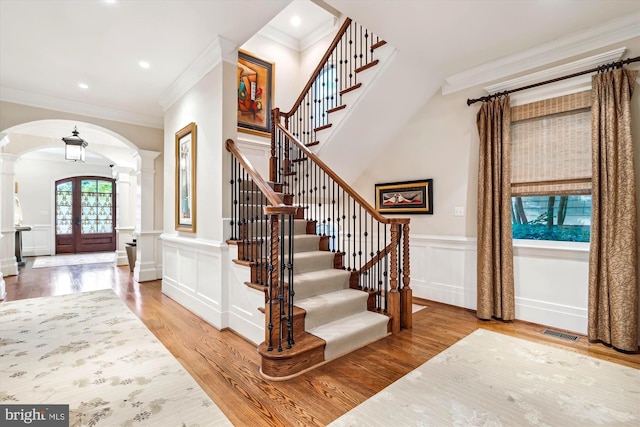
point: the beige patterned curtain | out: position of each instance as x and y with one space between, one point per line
495 246
613 268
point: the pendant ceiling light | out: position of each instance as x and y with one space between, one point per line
74 147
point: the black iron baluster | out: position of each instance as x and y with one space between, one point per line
271 284
354 234
350 55
332 242
290 340
366 46
344 223
232 222
280 267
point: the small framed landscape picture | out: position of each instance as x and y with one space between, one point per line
186 178
407 197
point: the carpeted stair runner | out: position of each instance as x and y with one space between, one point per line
334 312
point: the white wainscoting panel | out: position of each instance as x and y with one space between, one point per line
551 278
444 269
552 283
37 242
244 302
193 276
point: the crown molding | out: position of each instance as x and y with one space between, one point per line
273 34
564 87
304 43
561 70
614 31
218 51
38 100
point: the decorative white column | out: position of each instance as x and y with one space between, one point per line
146 235
126 212
3 286
8 264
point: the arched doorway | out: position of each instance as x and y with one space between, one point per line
85 209
133 169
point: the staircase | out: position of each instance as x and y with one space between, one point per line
330 266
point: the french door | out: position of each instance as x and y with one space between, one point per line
85 215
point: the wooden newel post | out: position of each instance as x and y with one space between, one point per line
394 295
273 161
406 293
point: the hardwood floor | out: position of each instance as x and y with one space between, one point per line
227 367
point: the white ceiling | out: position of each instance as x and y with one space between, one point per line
47 47
450 36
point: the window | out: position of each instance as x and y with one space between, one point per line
64 206
551 169
563 218
96 202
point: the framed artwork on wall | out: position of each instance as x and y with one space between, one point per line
186 178
408 197
255 94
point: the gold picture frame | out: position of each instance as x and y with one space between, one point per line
185 190
407 197
255 94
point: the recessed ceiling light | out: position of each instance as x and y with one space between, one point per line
296 21
83 86
144 64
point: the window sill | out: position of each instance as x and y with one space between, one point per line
578 251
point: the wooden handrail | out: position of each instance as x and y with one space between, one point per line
355 195
377 258
273 198
319 68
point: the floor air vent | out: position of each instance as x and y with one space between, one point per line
562 335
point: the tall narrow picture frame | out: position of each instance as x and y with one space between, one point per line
255 94
407 197
186 178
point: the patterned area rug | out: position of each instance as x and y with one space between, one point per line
90 351
74 259
490 379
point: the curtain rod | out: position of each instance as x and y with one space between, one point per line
611 65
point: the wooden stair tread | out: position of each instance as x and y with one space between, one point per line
378 44
303 344
367 66
311 144
349 89
338 108
327 126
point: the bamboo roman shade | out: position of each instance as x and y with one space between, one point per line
551 146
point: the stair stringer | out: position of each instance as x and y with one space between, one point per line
383 107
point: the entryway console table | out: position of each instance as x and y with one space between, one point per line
19 230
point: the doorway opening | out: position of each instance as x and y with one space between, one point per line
85 215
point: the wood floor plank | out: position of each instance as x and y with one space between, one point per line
227 366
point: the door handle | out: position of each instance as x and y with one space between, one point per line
77 220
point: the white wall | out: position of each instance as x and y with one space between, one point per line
441 142
286 71
194 264
36 183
